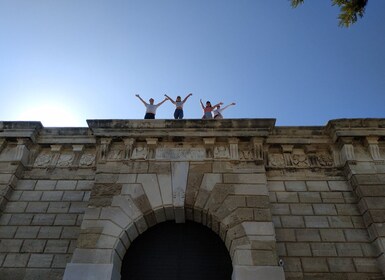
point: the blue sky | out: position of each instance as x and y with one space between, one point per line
65 61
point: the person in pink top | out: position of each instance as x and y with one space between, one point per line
208 109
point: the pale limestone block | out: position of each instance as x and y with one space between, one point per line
298 249
109 228
134 190
258 228
341 265
126 178
40 260
257 272
84 185
33 246
27 231
15 207
317 186
245 178
338 222
251 189
295 186
349 250
31 195
326 249
210 180
52 196
16 260
94 256
285 235
292 221
6 179
179 172
339 186
309 197
242 257
128 206
120 249
264 258
61 260
332 235
84 271
106 242
65 219
66 185
287 197
310 265
169 211
179 214
316 222
116 215
132 231
275 186
151 188
238 216
45 185
50 232
280 209
367 265
37 207
160 216
202 199
10 245
311 235
57 246
165 186
25 184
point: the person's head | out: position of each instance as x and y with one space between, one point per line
151 101
219 106
208 104
178 98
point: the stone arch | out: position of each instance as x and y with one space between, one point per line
234 204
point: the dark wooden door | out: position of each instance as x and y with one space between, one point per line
171 251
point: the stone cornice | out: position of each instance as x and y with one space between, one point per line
9 129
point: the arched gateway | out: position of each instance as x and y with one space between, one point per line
171 251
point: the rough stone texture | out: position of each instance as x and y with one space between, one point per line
288 202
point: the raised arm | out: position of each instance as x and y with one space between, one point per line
219 104
228 106
160 103
185 99
140 98
203 107
169 98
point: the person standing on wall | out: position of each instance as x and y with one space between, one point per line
218 111
178 114
207 111
150 108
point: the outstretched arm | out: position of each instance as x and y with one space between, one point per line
228 106
203 107
140 98
160 103
185 99
219 104
169 98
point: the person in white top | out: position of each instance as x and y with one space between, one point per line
218 111
150 108
178 114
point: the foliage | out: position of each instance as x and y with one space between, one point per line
350 10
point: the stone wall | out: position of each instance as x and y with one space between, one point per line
288 202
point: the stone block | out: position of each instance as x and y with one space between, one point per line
347 210
58 207
40 260
92 256
70 232
264 258
301 209
298 249
285 235
31 195
16 260
78 207
280 209
50 232
325 209
341 265
309 197
292 264
309 235
323 249
262 215
52 196
45 185
15 207
339 186
317 186
275 186
73 196
10 245
25 184
107 178
127 178
366 265
349 249
209 180
332 235
316 222
80 271
356 235
250 189
332 197
295 186
292 221
37 207
312 265
287 197
116 215
65 219
20 219
244 178
165 188
61 260
150 185
7 232
56 246
257 201
33 246
27 232
83 185
340 222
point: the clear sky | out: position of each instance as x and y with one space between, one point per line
65 61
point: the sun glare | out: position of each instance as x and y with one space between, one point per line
52 115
